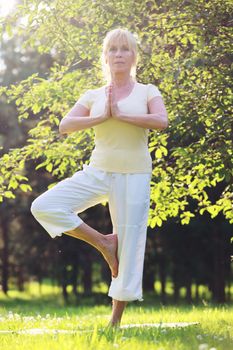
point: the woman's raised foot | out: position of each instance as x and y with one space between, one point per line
109 251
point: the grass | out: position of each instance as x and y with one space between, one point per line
26 310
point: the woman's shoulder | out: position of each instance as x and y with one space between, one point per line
145 86
149 90
97 91
141 84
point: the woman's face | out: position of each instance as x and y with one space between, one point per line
119 57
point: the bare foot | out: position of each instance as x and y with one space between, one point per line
109 252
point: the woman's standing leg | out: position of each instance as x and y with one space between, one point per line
117 312
129 206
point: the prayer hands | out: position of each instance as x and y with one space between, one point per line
115 112
111 108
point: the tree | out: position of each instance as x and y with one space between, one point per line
184 47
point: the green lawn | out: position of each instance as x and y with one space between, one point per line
88 325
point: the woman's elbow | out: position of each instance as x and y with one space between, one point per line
164 123
62 127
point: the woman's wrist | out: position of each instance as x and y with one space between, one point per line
119 117
102 117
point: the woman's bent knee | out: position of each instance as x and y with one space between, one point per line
37 207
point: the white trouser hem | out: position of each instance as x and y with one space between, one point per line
122 298
59 234
55 230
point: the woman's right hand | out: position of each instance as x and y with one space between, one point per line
107 110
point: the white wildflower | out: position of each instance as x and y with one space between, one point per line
17 316
28 318
203 347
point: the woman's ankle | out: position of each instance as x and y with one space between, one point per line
114 323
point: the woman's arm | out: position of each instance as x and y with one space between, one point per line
78 119
156 119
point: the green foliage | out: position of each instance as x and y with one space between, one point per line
184 48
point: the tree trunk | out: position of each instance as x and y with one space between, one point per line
188 286
5 253
176 287
40 279
87 276
196 292
162 277
64 284
149 276
20 279
218 276
74 278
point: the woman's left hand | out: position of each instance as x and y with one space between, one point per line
115 112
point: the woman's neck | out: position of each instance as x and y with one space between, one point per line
121 81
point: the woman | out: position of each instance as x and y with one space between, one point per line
121 113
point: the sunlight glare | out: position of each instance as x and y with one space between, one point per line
6 7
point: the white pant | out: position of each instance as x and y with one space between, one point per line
129 200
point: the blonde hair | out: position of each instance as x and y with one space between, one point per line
120 34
